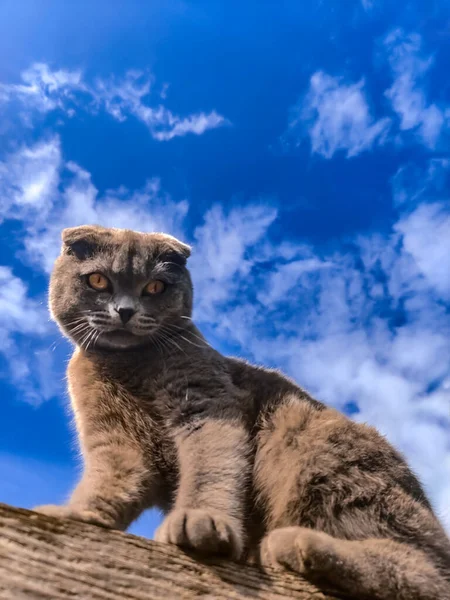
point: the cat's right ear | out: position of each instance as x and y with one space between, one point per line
81 241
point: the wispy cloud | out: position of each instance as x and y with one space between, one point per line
29 180
23 319
407 94
426 238
224 255
337 117
367 4
43 90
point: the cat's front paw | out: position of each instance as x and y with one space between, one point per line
303 550
75 514
205 531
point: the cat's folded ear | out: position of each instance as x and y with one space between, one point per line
82 241
171 245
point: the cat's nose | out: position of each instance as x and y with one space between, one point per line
125 314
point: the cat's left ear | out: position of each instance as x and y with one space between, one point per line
82 241
171 245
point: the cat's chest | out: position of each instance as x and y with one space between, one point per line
163 398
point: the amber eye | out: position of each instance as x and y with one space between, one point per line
154 287
98 282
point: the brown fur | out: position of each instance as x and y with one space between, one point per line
237 456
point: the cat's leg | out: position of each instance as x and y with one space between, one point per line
119 478
209 508
341 506
113 487
377 569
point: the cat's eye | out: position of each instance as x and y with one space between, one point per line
98 282
154 287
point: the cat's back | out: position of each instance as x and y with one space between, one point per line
265 388
323 435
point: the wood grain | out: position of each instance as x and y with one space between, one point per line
42 557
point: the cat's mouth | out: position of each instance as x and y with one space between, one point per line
120 339
95 334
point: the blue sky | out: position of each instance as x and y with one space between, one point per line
302 148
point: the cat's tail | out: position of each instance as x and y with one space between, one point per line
375 569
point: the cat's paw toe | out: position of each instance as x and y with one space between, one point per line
297 548
205 531
278 549
68 512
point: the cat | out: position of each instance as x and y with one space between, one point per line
242 461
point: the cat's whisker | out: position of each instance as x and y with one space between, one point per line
187 331
192 343
204 342
169 340
54 345
75 322
96 339
158 347
86 337
167 329
90 338
78 328
159 343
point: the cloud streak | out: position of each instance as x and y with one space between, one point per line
407 95
337 118
44 90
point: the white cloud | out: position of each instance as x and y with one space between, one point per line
44 90
22 319
29 181
426 238
287 277
336 114
18 312
221 261
412 185
198 124
407 94
337 118
127 97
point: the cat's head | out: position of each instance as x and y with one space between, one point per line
116 288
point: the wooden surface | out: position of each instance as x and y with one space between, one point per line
41 557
